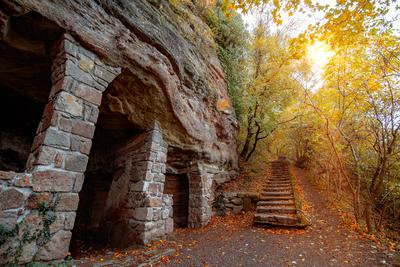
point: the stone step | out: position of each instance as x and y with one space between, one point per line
279 183
285 203
272 185
282 187
276 209
281 193
272 188
276 198
276 219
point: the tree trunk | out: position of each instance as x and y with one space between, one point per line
250 133
255 142
246 145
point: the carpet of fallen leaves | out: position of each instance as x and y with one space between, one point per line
85 255
234 241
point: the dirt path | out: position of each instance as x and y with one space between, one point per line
233 241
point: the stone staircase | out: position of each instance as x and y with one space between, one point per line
277 205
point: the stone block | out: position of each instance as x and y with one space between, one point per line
45 154
91 113
64 84
72 69
236 201
83 128
81 144
28 251
69 103
165 213
159 178
53 180
11 199
68 202
169 225
154 202
157 167
148 176
36 199
64 221
69 46
104 74
140 186
22 180
8 219
86 64
88 93
65 124
143 214
6 175
56 248
167 200
155 188
76 162
69 220
79 183
54 137
58 224
161 157
157 214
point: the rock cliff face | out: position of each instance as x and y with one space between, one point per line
116 107
171 71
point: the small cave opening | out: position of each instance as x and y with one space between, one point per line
177 185
25 83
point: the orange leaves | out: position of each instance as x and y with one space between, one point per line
223 104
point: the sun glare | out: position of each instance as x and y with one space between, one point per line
319 54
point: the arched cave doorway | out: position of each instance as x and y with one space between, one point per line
177 185
101 190
25 83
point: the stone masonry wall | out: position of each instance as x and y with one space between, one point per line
200 194
38 207
142 211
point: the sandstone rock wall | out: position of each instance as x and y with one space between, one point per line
166 48
144 65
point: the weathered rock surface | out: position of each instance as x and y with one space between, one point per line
171 71
107 98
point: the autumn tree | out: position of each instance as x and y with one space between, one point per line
271 87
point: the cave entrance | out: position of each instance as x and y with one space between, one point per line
92 228
25 83
177 185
